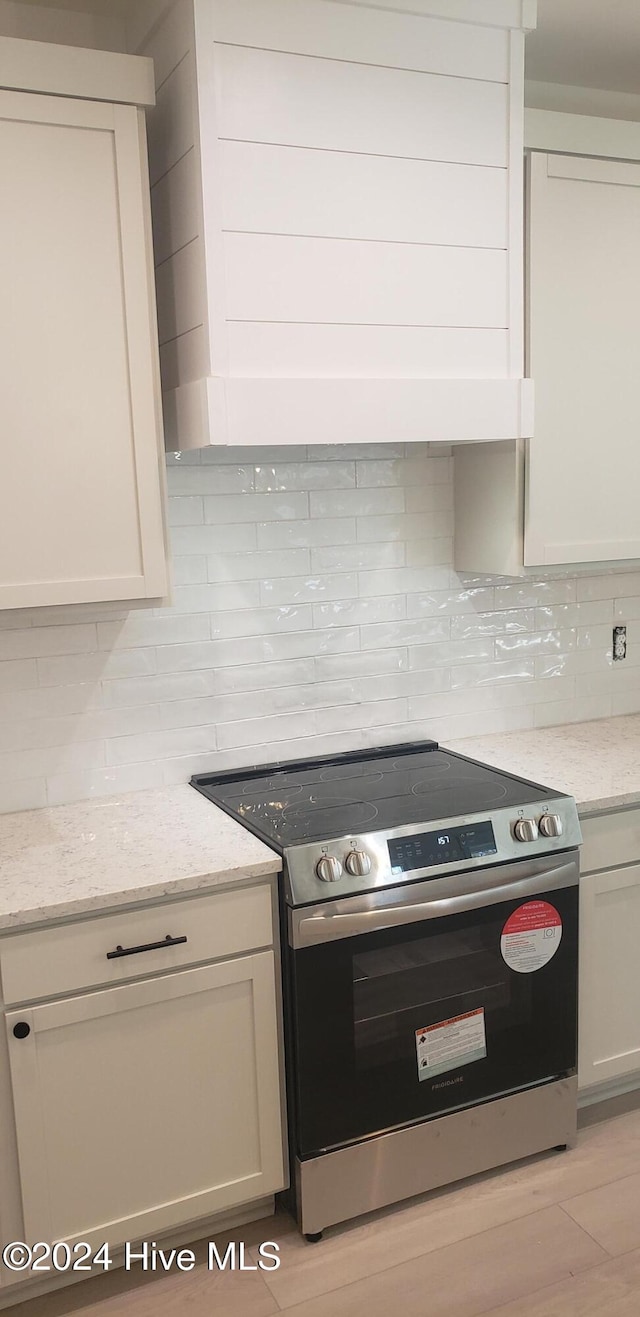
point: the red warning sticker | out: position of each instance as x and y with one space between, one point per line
531 936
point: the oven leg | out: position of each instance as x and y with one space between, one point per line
314 1239
560 1147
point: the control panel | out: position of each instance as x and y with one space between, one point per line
353 864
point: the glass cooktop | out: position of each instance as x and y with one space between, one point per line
365 791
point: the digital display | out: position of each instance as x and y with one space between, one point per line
428 848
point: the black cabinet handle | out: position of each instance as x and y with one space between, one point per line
167 941
21 1029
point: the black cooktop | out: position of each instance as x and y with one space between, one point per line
363 791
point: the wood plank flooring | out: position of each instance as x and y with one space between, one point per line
554 1236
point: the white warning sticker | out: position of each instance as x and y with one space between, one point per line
531 936
451 1044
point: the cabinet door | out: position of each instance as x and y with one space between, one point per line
584 347
81 489
609 1035
146 1106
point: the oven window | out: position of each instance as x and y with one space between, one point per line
406 1022
408 986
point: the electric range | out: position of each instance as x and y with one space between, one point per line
430 931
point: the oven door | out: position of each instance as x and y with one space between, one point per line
416 1000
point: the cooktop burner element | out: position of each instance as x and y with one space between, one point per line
329 817
317 801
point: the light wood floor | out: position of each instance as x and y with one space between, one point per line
555 1236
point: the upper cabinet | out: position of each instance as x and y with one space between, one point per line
337 210
584 279
81 492
571 495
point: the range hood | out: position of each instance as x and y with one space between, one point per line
337 202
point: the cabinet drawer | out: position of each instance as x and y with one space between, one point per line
610 840
75 955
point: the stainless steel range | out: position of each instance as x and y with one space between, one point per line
430 930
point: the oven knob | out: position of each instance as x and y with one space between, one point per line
550 825
525 830
358 863
329 869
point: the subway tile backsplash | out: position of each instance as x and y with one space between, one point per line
315 609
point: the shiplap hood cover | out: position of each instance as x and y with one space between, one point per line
338 220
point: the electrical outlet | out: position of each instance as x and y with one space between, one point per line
619 643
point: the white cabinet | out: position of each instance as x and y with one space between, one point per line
584 282
609 1033
147 1104
338 220
571 496
81 493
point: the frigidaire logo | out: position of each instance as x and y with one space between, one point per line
446 1083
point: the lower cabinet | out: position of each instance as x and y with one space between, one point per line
609 1034
150 1104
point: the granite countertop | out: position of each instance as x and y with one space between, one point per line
596 762
77 859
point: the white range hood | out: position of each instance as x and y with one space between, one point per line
337 198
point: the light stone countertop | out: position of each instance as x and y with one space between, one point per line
77 859
596 762
93 856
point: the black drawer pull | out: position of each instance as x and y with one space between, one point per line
21 1029
167 941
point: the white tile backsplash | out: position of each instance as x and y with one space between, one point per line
141 629
495 672
540 642
95 667
513 621
315 609
214 597
187 511
625 610
189 571
339 612
355 502
187 540
286 476
17 676
597 587
253 507
34 641
260 565
28 794
469 604
376 663
357 557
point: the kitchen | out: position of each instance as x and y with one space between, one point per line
347 573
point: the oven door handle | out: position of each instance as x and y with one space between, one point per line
328 928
